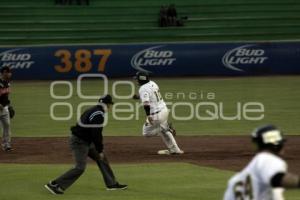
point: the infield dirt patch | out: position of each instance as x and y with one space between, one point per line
224 152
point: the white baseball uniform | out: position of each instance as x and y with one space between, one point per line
254 181
149 93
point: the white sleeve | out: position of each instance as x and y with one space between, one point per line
269 166
144 96
278 194
228 194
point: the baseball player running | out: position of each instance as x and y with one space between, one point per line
86 141
266 176
157 114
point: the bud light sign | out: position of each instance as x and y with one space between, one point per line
152 56
159 59
16 59
215 59
238 57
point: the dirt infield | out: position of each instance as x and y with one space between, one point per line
224 152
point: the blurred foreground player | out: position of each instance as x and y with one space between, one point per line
266 176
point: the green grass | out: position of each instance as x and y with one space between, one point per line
155 181
146 181
279 95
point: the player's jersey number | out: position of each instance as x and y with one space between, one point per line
158 96
243 190
82 61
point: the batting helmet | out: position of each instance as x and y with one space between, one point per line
141 77
268 137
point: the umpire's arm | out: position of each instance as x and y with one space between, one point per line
97 137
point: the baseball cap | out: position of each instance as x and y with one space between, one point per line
107 99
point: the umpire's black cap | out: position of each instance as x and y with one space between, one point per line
107 99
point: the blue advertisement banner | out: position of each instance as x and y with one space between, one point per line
161 59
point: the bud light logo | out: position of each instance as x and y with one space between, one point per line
152 57
15 60
242 56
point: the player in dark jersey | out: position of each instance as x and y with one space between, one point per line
4 107
86 141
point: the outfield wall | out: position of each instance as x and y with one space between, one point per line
161 59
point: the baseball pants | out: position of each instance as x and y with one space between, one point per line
5 124
81 150
160 127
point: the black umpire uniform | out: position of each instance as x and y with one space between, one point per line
86 141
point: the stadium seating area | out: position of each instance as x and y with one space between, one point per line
111 21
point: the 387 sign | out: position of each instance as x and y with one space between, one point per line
81 60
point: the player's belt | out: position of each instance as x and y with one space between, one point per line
155 113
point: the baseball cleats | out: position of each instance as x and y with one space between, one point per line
54 188
117 186
168 152
7 148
